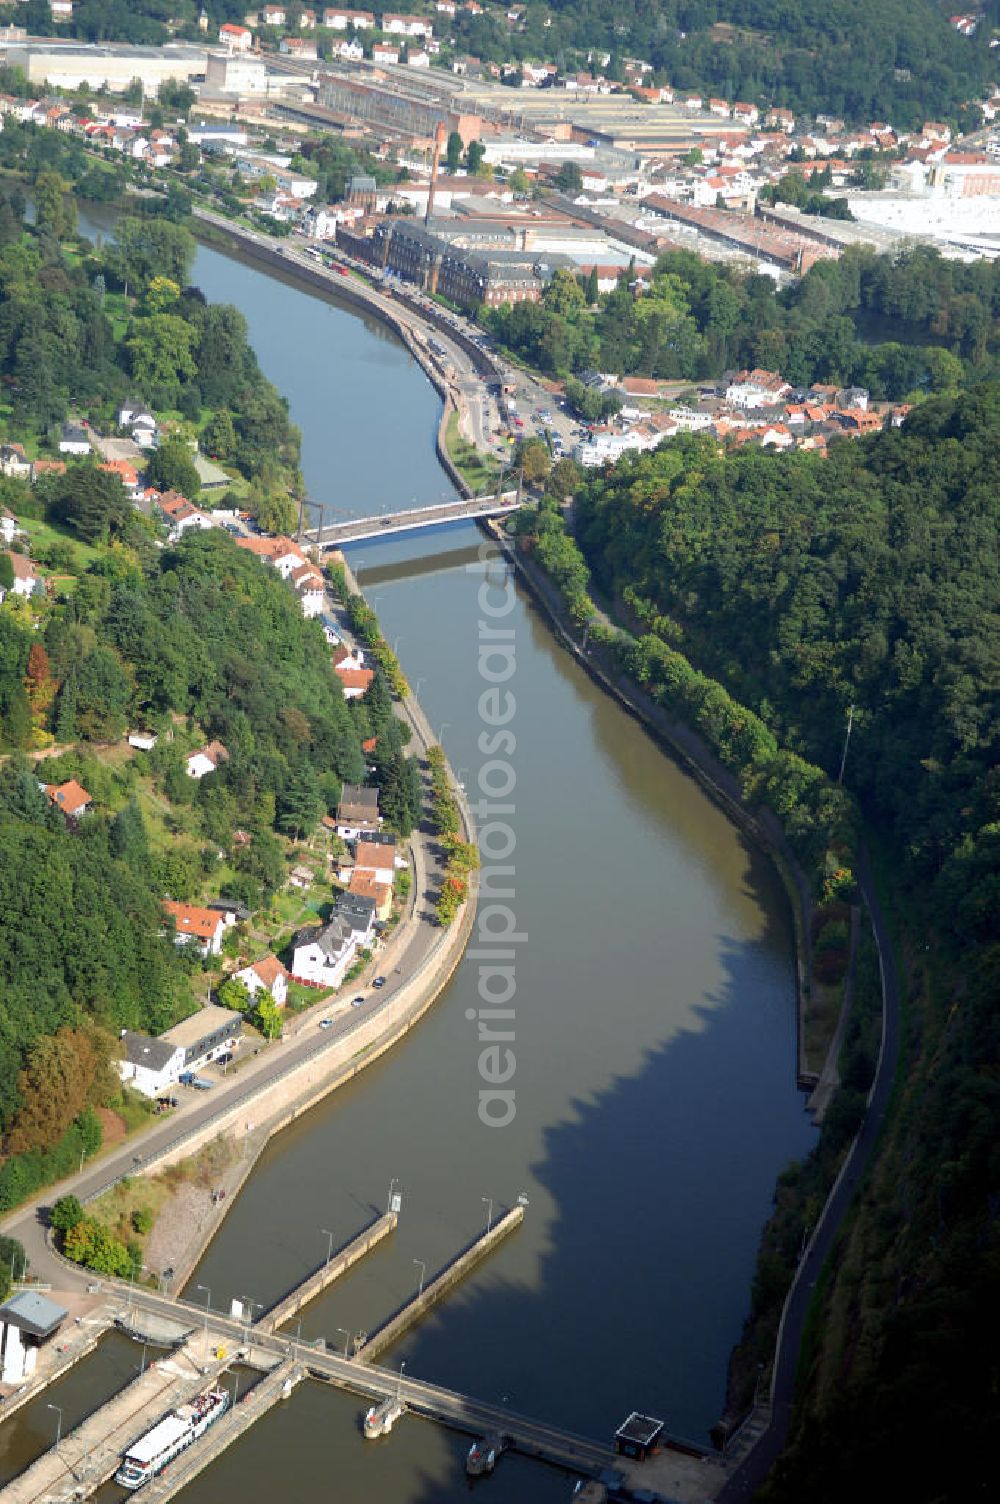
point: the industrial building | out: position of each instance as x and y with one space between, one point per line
396 103
67 66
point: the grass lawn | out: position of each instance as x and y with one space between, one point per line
479 471
41 534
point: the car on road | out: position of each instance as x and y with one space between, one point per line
326 1023
379 982
356 1002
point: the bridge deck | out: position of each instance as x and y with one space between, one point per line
384 524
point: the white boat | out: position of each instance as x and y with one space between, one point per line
148 1456
380 1418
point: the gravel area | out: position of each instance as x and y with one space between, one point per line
179 1221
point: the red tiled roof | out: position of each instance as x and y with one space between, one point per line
71 797
191 920
355 678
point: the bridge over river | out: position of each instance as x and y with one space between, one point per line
384 524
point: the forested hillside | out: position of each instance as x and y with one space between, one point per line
899 325
194 641
870 579
898 60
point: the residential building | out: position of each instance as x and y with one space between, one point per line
26 581
266 975
74 439
377 859
347 20
321 956
357 910
363 885
235 38
149 1065
206 760
70 797
10 527
406 26
355 682
180 516
298 47
308 583
357 812
756 388
15 464
191 922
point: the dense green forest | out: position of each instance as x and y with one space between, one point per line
698 318
804 587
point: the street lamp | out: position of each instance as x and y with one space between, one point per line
392 1186
329 1251
298 1339
444 726
422 679
208 1302
399 1385
58 1421
488 1203
347 1339
423 1271
395 645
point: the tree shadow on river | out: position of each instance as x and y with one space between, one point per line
651 1249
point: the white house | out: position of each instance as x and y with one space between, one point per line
143 741
756 388
181 516
320 957
150 1065
154 1065
308 583
15 464
267 975
236 38
26 581
357 911
377 859
206 760
9 529
205 926
357 812
344 20
406 26
74 439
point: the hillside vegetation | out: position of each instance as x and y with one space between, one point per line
805 587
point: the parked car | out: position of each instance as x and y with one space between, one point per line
356 1002
379 982
326 1023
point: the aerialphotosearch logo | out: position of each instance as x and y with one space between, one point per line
497 933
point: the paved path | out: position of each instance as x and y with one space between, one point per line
758 1463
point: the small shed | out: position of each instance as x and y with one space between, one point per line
637 1436
27 1321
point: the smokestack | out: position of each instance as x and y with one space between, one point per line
440 135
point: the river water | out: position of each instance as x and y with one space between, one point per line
655 1027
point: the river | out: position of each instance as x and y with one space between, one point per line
655 1029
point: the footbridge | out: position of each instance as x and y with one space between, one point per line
384 524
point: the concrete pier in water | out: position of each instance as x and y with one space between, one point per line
325 1275
391 1330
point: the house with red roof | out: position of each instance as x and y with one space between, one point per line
191 922
266 975
70 797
